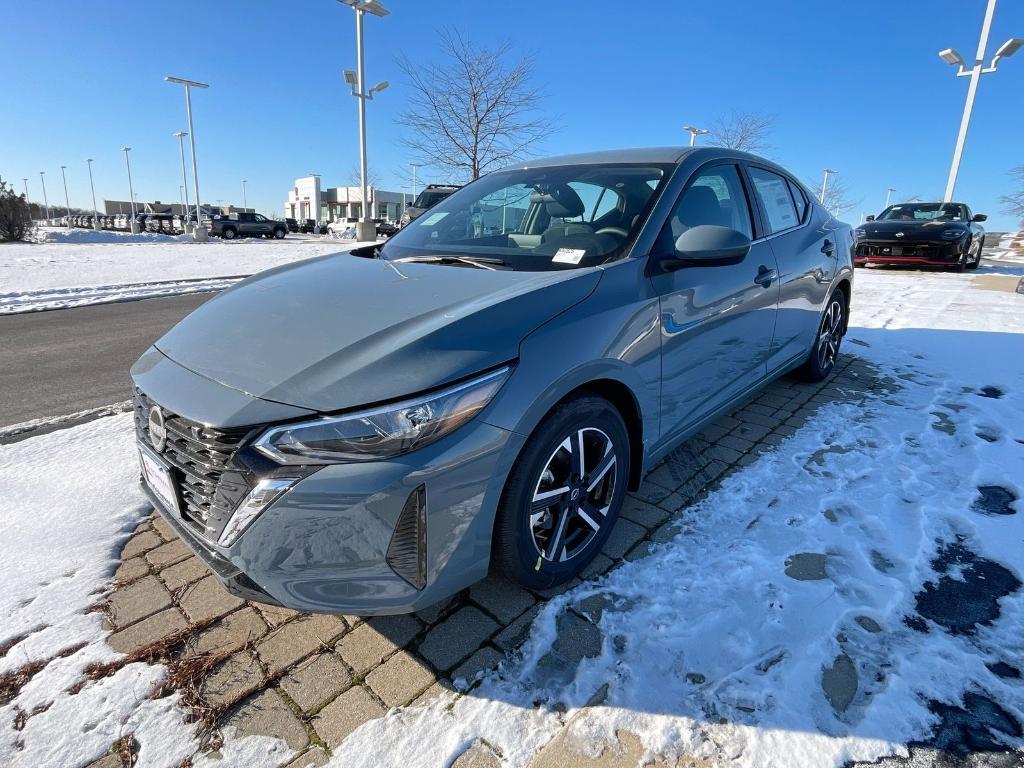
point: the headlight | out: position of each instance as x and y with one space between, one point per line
382 432
953 234
860 233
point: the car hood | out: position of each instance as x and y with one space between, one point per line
340 331
912 230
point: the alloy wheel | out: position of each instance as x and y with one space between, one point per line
572 497
830 334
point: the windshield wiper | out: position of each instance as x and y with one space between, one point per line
481 262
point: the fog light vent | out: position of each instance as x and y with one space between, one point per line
407 552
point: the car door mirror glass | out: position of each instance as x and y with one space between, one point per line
979 217
869 218
711 244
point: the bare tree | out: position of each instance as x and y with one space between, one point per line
837 196
15 222
745 131
474 110
372 179
1013 203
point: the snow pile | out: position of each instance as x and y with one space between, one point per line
63 298
36 276
81 235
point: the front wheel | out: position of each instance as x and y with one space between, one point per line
977 256
822 357
563 495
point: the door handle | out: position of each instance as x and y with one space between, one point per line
828 248
765 276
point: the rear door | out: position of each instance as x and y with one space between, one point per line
716 321
804 245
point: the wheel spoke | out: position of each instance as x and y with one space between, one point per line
607 462
578 455
555 546
547 497
586 518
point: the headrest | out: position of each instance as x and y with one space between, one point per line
700 206
560 201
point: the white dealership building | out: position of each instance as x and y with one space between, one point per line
306 200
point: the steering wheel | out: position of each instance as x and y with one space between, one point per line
612 231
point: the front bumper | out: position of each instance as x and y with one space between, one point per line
933 252
323 545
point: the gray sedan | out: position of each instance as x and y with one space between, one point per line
370 432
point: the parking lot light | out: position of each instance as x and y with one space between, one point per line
95 210
66 201
180 135
245 202
131 191
694 133
199 234
888 195
824 184
365 228
46 203
950 56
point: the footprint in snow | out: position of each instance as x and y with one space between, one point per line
992 392
807 566
995 500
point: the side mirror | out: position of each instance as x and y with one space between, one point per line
979 217
869 218
708 245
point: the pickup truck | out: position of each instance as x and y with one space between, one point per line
246 225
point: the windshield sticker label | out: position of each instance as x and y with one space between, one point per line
568 255
433 218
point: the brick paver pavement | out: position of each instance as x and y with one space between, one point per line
312 679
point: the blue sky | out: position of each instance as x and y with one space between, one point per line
855 86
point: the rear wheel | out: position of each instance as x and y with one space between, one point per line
822 357
564 494
278 233
230 233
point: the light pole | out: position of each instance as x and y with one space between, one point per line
888 195
824 184
180 135
131 190
414 166
950 56
245 203
365 228
199 233
694 133
46 203
66 201
95 210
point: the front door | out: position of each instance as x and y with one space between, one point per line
716 321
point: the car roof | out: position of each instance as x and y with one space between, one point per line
657 155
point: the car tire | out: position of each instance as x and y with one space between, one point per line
279 234
825 351
977 259
228 233
543 538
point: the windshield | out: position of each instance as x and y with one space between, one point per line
429 197
534 219
924 212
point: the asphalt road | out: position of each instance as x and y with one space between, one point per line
69 360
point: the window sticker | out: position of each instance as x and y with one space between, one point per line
568 255
434 218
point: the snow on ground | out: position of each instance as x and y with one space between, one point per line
806 613
63 272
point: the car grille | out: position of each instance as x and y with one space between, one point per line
920 251
209 487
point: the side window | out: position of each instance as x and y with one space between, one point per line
597 200
799 199
716 197
607 203
260 217
772 190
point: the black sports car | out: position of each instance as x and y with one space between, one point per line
936 234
